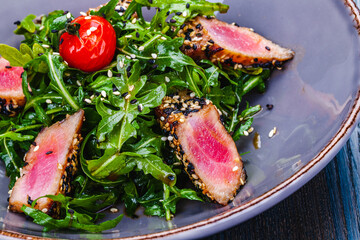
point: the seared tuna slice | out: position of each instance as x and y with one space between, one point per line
229 44
49 166
12 97
206 149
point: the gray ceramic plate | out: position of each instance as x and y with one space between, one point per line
316 105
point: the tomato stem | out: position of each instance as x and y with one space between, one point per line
73 28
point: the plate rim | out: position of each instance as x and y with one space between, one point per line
269 198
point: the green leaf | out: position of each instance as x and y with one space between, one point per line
14 56
152 164
27 23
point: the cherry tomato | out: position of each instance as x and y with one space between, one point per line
92 48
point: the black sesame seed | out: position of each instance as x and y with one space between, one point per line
267 48
61 41
137 34
133 101
122 9
40 41
171 177
155 66
188 5
175 136
25 164
66 12
160 25
269 106
29 201
182 26
198 26
148 7
49 152
8 67
124 94
211 41
199 35
178 13
128 69
71 211
54 31
151 61
63 177
236 24
209 17
187 46
12 129
139 107
17 23
40 54
168 12
194 46
255 60
172 20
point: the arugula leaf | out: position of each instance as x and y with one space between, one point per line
14 56
73 218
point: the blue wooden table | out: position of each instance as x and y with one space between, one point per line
327 207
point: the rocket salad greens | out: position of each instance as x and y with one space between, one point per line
123 158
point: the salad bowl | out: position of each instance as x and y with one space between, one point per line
314 108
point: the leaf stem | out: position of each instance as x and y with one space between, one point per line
58 80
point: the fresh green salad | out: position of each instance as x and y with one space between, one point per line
123 156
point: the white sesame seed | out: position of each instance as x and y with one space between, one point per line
36 148
167 79
132 56
162 118
121 13
10 191
184 14
41 28
93 29
88 32
170 138
192 94
59 166
250 130
131 87
163 38
246 133
128 36
114 210
176 97
66 62
45 46
92 97
121 64
141 48
117 93
251 29
78 83
56 53
87 17
154 55
48 101
117 7
140 107
44 210
102 99
182 120
133 21
185 105
271 133
110 73
103 93
128 57
87 100
83 14
164 139
128 96
196 39
235 168
68 15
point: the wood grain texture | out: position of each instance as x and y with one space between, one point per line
328 207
